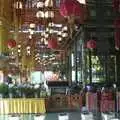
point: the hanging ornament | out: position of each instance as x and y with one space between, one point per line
117 22
48 3
116 5
91 44
52 43
71 8
11 43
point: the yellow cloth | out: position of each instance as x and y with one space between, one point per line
22 105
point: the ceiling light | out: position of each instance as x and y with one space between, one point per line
46 35
51 24
32 25
48 3
18 5
28 47
82 1
59 38
51 31
46 42
40 4
40 14
42 40
19 50
37 54
65 28
64 34
49 14
19 46
30 36
59 33
58 25
47 29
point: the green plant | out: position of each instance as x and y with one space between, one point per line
3 88
12 89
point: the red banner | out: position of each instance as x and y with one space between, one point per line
107 103
91 101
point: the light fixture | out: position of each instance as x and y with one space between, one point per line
48 3
18 5
40 4
31 31
32 25
51 24
40 14
64 34
30 36
59 38
65 28
51 31
19 46
46 42
49 14
46 35
19 50
82 1
59 33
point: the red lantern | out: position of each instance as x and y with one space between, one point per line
117 22
116 5
91 44
71 8
11 43
52 43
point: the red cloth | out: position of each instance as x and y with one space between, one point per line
91 101
107 106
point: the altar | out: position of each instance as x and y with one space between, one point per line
22 106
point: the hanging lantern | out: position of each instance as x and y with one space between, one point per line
49 14
52 43
11 43
40 14
48 3
117 22
18 5
40 4
71 8
91 44
116 5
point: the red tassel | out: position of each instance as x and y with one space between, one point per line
117 39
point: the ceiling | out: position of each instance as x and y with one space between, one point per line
35 22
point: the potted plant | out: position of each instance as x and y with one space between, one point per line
27 90
36 90
12 90
3 89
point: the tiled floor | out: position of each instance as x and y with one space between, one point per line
52 116
49 116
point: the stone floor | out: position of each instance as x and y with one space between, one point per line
52 116
48 116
